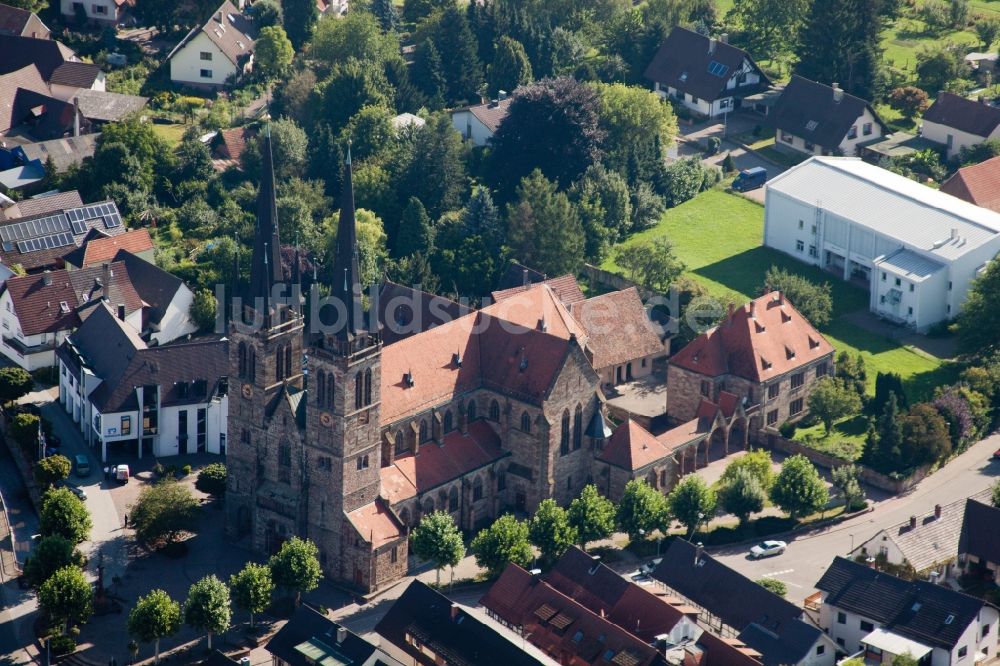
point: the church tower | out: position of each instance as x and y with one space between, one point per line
342 421
265 477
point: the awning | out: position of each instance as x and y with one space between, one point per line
895 644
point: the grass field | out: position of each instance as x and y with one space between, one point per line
718 236
172 134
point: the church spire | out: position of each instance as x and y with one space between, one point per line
346 286
265 266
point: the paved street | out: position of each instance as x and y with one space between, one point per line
808 556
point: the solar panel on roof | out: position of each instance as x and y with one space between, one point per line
79 227
717 68
45 242
112 221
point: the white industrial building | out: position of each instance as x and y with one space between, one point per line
917 248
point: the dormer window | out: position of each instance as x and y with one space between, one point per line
759 327
789 353
813 343
456 360
64 307
408 380
765 363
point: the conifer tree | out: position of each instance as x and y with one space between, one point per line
428 74
510 67
840 43
415 235
459 57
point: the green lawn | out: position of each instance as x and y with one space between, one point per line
718 236
172 134
904 40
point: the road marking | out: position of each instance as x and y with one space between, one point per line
778 573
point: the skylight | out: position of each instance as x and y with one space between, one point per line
684 76
811 125
717 68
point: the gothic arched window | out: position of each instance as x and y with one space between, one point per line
471 411
564 436
331 389
495 411
578 427
279 364
449 422
368 386
320 388
526 422
252 365
243 359
288 361
358 382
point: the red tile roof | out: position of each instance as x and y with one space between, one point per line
232 142
100 250
461 453
565 286
494 353
618 328
764 339
683 434
376 524
38 306
978 184
560 626
632 447
538 307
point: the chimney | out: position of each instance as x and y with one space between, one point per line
524 277
454 612
121 311
753 309
731 308
932 578
341 635
501 95
76 116
913 522
724 38
47 278
781 297
711 45
698 552
937 511
838 94
954 233
106 277
536 575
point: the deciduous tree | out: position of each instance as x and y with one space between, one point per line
300 20
438 540
979 320
845 480
15 383
799 490
296 567
63 514
212 480
641 510
66 596
692 502
155 616
273 52
925 434
51 554
207 607
742 494
841 43
767 26
549 530
651 263
544 228
813 301
252 588
773 585
52 469
831 400
909 101
163 512
757 462
592 516
505 541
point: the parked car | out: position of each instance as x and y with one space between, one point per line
996 455
76 490
122 473
768 549
82 464
750 179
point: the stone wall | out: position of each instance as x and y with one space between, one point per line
776 442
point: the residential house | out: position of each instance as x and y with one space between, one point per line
708 76
956 122
979 541
130 399
758 365
227 147
109 12
42 239
27 107
21 23
309 638
734 605
98 248
425 628
916 248
216 53
52 202
60 68
63 151
879 616
817 119
99 107
479 122
978 184
925 544
331 7
582 612
38 311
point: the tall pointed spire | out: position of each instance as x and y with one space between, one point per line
346 285
265 266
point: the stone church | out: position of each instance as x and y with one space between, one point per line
476 416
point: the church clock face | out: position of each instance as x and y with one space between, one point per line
247 391
326 419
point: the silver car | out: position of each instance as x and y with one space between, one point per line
767 549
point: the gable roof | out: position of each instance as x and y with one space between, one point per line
810 110
101 248
104 106
933 541
920 610
683 62
17 21
38 306
764 339
632 447
64 151
489 114
310 631
376 524
42 240
565 286
963 114
978 184
538 307
156 286
618 328
48 203
231 142
980 534
738 602
24 78
229 29
17 52
75 74
433 619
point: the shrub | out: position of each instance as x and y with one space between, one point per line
62 645
212 480
773 585
186 470
814 301
712 145
787 429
